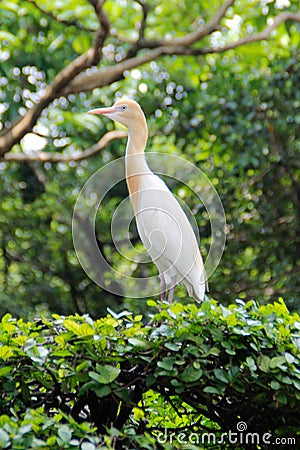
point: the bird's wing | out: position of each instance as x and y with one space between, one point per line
165 229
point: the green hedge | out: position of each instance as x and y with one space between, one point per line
189 376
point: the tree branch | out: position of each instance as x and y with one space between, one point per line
195 36
103 31
61 157
72 79
139 43
257 37
116 72
54 90
63 21
145 9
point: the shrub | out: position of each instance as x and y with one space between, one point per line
189 375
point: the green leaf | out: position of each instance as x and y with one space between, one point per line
123 395
166 373
275 385
96 376
176 383
231 319
190 374
192 350
6 352
239 387
277 361
4 438
139 343
5 370
289 357
230 351
7 323
86 387
164 330
251 363
83 365
296 383
150 380
214 351
233 373
65 434
286 379
88 446
226 344
79 329
167 363
51 441
263 362
62 353
102 391
152 303
72 326
106 374
282 399
213 390
221 375
172 347
138 318
86 330
7 318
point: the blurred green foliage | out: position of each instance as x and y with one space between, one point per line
236 115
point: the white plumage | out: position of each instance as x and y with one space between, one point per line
162 224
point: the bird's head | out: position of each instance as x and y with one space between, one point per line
125 111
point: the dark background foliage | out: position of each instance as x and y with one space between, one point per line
234 114
220 86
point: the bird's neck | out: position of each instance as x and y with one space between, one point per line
137 138
135 162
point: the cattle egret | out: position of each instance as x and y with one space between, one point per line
162 224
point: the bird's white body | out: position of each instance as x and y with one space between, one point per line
168 236
162 224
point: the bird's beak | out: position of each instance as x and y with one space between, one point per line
104 111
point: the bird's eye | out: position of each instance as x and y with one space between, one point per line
123 108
